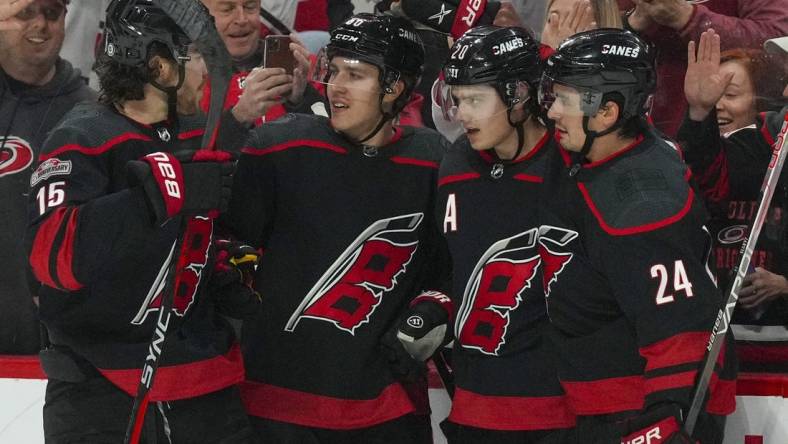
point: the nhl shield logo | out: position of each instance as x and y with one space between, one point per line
164 134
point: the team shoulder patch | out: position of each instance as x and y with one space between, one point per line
48 168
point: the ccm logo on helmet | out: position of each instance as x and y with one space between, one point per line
346 37
626 51
505 47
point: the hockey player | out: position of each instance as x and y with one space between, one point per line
343 208
625 248
506 385
106 202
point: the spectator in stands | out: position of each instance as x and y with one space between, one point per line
670 24
37 88
730 171
256 94
752 88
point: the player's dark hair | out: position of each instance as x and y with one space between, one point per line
630 127
120 83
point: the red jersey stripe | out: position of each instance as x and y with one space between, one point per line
42 247
95 151
311 410
510 412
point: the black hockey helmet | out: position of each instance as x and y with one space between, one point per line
603 64
388 42
497 56
132 26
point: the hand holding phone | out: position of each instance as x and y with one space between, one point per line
277 53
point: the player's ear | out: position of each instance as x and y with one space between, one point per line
390 93
608 114
163 71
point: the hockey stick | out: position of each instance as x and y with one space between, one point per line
273 22
745 255
444 372
195 21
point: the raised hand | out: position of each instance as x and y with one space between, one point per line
301 70
561 26
703 83
10 8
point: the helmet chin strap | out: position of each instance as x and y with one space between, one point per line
172 96
579 158
386 117
518 126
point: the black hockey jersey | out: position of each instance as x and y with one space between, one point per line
348 237
730 171
102 260
630 294
504 370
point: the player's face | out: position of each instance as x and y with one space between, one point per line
238 22
353 92
190 92
736 108
39 41
483 115
565 112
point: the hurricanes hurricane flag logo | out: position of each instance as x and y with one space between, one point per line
15 155
352 288
551 239
191 262
495 289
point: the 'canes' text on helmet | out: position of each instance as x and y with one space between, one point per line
497 56
605 64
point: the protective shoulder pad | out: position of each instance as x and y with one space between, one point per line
641 191
90 125
423 144
293 128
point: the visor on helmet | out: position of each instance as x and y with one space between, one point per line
572 99
478 102
323 72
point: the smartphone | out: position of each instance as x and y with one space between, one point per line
277 53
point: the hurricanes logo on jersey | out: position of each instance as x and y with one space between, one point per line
551 239
15 155
191 262
495 289
353 286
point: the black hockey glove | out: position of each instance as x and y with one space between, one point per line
660 425
420 331
189 182
451 16
232 282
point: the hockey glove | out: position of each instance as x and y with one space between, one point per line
451 16
189 182
232 282
417 335
661 425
